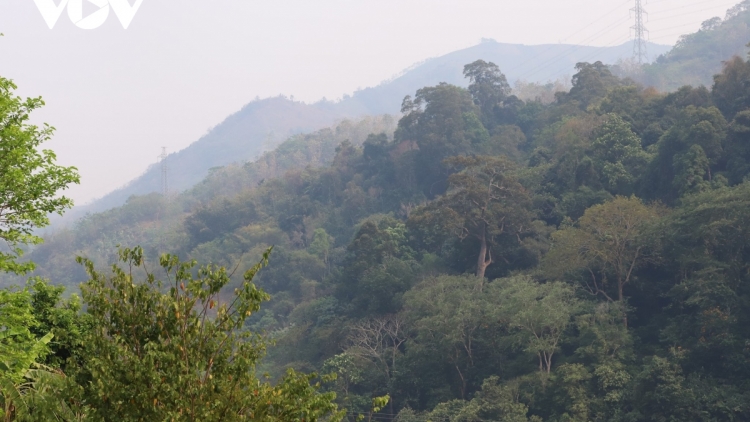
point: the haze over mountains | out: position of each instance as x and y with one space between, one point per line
263 124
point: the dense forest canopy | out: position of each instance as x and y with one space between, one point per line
480 258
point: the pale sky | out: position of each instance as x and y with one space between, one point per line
117 95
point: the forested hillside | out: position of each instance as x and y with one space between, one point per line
490 258
698 56
263 124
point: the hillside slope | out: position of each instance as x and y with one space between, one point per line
263 124
609 228
698 57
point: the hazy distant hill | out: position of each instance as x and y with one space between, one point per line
531 63
697 57
263 124
257 127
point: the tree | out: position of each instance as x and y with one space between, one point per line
738 148
703 127
447 313
178 351
730 92
541 311
347 370
380 341
590 84
496 401
608 241
706 240
378 268
485 203
620 158
436 119
488 86
30 181
19 351
690 171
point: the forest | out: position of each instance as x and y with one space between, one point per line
477 258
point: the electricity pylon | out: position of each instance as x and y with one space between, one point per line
640 54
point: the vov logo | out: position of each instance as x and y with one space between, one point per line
122 8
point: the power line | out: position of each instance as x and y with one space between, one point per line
597 20
642 43
685 14
674 27
685 6
564 53
618 41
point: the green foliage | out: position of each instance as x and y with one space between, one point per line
434 119
485 205
590 84
542 312
30 181
20 349
609 243
697 57
621 159
494 259
488 87
181 354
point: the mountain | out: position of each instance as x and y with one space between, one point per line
263 124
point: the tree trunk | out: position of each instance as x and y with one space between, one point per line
463 382
485 256
620 297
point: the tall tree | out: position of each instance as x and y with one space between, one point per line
620 157
608 242
731 91
447 313
488 87
542 312
590 84
487 204
436 119
380 341
703 127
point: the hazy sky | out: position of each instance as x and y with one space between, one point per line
116 96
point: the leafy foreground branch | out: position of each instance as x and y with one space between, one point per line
170 350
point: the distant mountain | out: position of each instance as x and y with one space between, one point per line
530 63
259 126
263 124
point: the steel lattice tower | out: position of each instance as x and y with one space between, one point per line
163 160
639 43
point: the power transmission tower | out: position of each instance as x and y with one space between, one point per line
640 54
164 182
